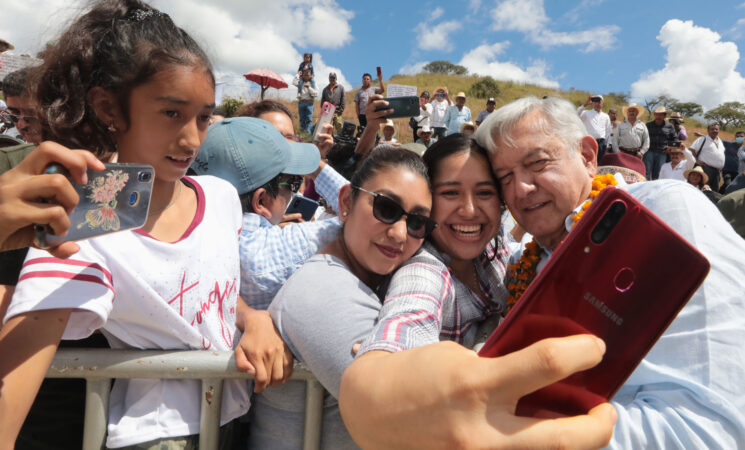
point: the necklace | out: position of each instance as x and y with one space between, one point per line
521 274
173 200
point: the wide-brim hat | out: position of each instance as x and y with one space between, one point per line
660 110
422 130
5 45
249 152
387 123
468 124
697 169
642 110
630 167
461 94
677 116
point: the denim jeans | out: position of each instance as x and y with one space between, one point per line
305 111
439 132
653 161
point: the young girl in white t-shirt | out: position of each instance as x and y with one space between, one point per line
124 78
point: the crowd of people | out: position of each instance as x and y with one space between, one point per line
408 264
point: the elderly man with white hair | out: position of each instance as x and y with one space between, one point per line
688 390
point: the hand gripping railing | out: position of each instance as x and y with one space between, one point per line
100 366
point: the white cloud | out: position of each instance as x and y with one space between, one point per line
699 67
529 17
431 36
238 35
482 60
413 69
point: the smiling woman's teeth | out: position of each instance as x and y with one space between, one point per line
466 229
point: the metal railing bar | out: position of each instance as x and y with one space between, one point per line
209 425
313 422
96 413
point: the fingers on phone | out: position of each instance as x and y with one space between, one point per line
55 187
64 250
546 362
75 161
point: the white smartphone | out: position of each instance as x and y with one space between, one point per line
327 113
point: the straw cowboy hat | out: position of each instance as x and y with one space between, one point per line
697 169
641 109
660 110
422 130
468 124
386 124
677 116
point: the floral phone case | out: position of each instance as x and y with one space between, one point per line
114 199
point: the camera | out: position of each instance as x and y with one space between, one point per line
342 156
611 217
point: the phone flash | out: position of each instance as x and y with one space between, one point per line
587 249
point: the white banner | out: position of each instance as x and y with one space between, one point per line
399 90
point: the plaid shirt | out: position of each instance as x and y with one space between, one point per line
425 303
270 254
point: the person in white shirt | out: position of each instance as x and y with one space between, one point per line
388 129
681 160
632 136
425 111
709 151
440 105
597 122
613 115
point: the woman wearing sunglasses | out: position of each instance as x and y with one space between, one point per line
330 303
456 280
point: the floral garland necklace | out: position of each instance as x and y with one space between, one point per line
521 274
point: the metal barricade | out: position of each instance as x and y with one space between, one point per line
99 366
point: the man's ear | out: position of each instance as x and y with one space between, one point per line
261 202
106 106
345 201
588 148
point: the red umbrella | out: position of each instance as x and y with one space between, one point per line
266 79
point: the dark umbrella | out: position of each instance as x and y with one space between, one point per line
266 79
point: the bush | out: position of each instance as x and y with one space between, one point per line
231 105
484 88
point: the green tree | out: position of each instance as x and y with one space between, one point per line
441 66
485 87
688 109
663 100
726 114
231 105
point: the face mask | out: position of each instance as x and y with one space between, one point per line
739 140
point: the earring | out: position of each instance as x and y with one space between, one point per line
112 128
345 214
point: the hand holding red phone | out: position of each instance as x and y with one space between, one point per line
22 187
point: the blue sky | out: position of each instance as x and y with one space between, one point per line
687 49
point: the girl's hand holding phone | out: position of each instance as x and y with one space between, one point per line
22 188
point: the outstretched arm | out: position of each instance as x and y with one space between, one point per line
445 396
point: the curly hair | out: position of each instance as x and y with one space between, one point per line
117 45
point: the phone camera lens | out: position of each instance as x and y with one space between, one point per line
144 177
134 198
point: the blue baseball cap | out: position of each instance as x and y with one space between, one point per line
249 152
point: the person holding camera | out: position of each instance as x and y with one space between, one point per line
596 122
440 105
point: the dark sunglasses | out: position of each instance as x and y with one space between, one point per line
293 183
15 118
388 211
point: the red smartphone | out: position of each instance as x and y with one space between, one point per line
623 275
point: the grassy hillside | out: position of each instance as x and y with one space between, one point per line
509 91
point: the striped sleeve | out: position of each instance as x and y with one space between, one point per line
82 282
411 315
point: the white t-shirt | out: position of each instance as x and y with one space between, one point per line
439 110
148 294
710 151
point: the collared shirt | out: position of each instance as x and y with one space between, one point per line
422 120
362 96
741 158
709 151
597 123
426 303
270 254
631 136
661 136
439 110
692 376
335 96
456 117
676 173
